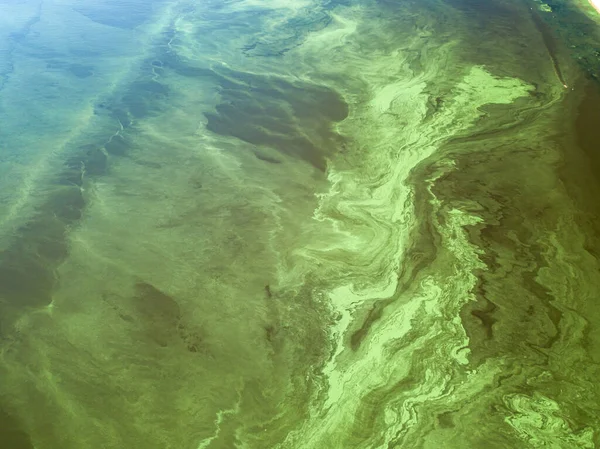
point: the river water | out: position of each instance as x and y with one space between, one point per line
307 224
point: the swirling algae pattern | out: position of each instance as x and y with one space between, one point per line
306 224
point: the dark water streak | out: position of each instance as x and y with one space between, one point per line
16 38
581 165
271 111
549 42
28 266
578 32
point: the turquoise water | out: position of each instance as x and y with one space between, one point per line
300 224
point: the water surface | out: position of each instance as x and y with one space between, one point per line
302 225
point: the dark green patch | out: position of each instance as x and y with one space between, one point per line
374 315
149 87
95 162
81 71
157 312
65 204
78 70
117 146
264 157
117 13
72 174
445 420
152 302
173 62
27 266
138 106
273 112
120 115
11 434
148 164
88 160
25 278
142 99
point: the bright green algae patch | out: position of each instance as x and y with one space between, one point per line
296 225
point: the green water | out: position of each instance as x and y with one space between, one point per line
299 224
